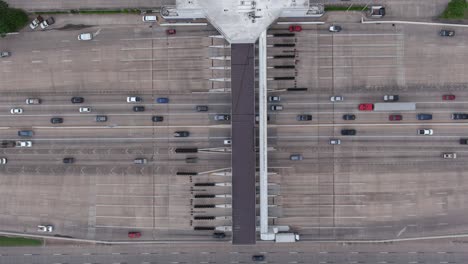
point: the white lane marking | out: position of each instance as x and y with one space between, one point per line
86 254
27 254
66 60
175 252
363 66
293 252
65 40
97 60
115 253
442 223
65 50
6 61
36 61
57 254
36 51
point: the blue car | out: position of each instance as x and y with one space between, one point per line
162 100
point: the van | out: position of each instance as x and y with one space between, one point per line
33 101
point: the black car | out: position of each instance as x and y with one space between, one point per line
202 108
68 160
25 133
348 132
101 118
464 141
447 33
181 134
457 116
424 116
258 258
56 120
77 100
139 108
349 117
219 235
157 118
304 117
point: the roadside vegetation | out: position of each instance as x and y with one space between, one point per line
75 11
11 19
456 9
18 241
345 8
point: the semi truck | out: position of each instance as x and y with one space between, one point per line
394 106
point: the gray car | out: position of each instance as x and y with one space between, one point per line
296 157
101 118
25 133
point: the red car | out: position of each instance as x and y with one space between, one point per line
448 97
134 234
395 117
295 28
366 107
170 31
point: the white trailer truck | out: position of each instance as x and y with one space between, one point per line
394 106
286 237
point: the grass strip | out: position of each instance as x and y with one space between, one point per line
456 9
19 241
74 11
345 8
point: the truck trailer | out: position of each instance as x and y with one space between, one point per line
286 237
394 106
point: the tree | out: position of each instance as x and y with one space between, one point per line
11 19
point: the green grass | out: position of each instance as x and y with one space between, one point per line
345 8
456 9
18 241
116 11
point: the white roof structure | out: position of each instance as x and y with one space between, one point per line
241 21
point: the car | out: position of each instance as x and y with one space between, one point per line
227 142
46 23
138 108
296 157
395 117
458 116
171 31
140 161
258 258
56 120
85 109
391 98
349 117
3 161
85 36
23 144
334 28
201 108
15 111
335 141
7 144
295 28
191 160
33 101
162 100
219 235
337 98
424 116
181 134
304 117
4 54
134 99
222 117
68 160
366 107
348 132
77 100
134 234
25 133
45 228
425 131
149 18
157 118
448 97
276 107
257 118
449 155
101 118
464 141
274 98
35 23
447 33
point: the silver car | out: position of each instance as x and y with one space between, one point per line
337 98
335 141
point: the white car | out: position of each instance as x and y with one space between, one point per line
227 142
450 155
335 141
337 98
16 111
85 36
274 98
427 132
150 18
85 109
45 228
3 161
23 144
134 99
